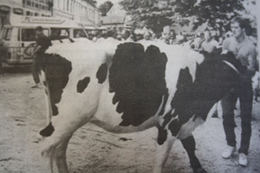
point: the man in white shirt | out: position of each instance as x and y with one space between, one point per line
245 51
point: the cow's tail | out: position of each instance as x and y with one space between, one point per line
54 71
48 130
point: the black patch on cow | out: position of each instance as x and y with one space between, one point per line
162 135
102 73
57 70
138 79
83 84
213 80
47 131
175 127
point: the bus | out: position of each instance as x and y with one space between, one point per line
17 38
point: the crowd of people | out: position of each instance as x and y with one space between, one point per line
235 41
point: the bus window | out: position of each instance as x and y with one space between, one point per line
29 34
59 33
78 33
7 34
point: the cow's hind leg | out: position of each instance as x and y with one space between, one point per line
164 145
189 145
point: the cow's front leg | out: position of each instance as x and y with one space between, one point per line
56 151
60 157
164 144
189 145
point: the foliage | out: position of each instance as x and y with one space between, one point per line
105 7
149 12
158 13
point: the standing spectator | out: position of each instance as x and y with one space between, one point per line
197 41
120 33
147 36
126 35
172 36
245 51
180 38
209 45
42 44
166 34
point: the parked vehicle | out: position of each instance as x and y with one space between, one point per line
18 37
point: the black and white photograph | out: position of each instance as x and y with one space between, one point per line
129 86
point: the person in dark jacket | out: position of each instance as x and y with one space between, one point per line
42 44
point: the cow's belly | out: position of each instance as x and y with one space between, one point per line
113 126
109 119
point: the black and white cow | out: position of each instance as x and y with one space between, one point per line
130 87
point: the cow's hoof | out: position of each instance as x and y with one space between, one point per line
39 138
47 148
199 170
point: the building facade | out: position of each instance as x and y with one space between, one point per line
83 12
116 17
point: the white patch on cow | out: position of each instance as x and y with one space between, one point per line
187 128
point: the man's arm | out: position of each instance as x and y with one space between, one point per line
225 45
251 67
38 47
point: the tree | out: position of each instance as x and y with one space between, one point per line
216 14
105 7
153 13
158 13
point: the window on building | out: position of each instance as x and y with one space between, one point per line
28 13
68 5
71 6
38 4
7 34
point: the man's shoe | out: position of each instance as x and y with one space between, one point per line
242 159
228 152
36 86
